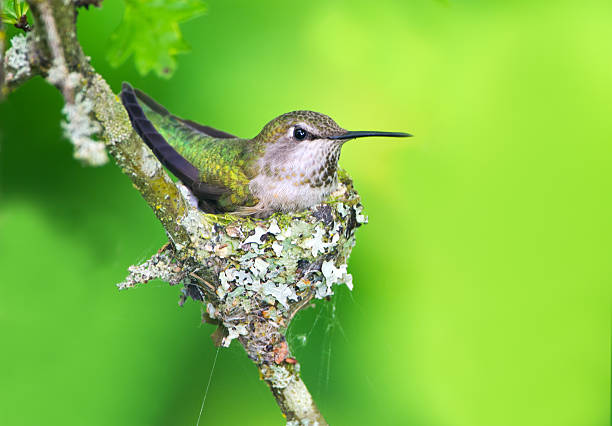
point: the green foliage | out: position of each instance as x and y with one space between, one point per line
150 31
482 282
14 11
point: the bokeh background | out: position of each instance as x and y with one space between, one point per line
481 282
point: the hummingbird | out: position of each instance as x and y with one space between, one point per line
291 165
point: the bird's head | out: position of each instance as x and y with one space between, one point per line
298 127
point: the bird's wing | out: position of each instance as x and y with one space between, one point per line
188 124
158 129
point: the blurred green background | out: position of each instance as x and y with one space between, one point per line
481 282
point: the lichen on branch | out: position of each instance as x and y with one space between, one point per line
251 275
16 64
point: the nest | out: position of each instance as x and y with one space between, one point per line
252 275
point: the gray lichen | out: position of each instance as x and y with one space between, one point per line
58 75
150 165
79 129
16 59
253 275
285 382
79 126
278 376
303 422
159 266
109 112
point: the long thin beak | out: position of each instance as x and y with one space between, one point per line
363 134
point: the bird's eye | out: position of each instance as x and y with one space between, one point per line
300 134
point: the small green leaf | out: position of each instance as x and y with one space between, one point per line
9 15
13 11
8 19
24 8
150 31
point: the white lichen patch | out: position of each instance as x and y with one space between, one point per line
58 75
274 229
150 165
257 273
316 243
16 59
256 237
211 310
278 248
335 275
196 229
280 292
234 332
260 267
278 376
159 266
360 217
185 192
79 129
79 126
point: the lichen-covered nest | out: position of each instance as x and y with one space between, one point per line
253 275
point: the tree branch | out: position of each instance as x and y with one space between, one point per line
136 160
251 276
54 52
61 77
291 394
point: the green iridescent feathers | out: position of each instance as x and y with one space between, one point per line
224 163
